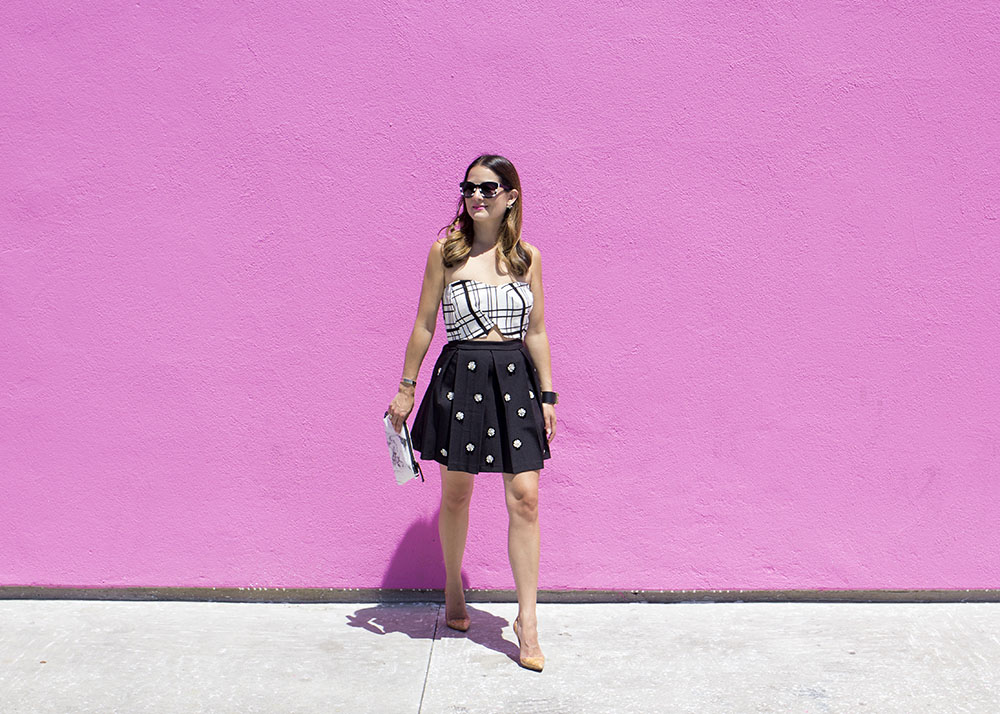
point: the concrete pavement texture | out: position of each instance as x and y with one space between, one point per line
150 657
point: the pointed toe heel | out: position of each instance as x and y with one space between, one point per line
535 663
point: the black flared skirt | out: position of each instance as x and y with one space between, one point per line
482 410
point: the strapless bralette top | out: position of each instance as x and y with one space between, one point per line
472 308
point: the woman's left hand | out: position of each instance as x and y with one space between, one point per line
549 414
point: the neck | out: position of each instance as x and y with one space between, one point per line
485 236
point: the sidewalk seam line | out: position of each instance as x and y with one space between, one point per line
437 616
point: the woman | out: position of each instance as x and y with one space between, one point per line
489 406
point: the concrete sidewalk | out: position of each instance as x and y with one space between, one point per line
101 656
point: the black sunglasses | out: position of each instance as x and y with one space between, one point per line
489 189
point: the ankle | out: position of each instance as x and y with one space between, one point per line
525 620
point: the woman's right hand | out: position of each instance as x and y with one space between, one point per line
400 407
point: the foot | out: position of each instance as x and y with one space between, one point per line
455 614
531 656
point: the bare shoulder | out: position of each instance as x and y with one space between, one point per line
436 253
435 261
536 258
532 250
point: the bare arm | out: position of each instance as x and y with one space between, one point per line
420 337
537 341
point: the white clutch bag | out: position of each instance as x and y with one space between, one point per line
404 464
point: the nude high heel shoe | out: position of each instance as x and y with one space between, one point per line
533 663
457 623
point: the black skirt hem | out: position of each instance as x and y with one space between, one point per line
480 471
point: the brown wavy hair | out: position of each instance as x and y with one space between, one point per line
511 256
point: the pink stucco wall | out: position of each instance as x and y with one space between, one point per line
771 246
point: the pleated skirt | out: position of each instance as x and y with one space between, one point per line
482 411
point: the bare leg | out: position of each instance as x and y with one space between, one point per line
453 526
523 548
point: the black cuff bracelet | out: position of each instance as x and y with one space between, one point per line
550 398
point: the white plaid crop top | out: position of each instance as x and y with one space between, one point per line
472 308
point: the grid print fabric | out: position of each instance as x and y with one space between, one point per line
472 308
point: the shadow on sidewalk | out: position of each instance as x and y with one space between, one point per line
486 629
417 563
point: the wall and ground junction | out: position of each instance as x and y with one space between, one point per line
770 239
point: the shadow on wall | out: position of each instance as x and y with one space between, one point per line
417 562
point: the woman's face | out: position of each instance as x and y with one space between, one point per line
482 208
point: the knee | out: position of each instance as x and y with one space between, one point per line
524 505
456 499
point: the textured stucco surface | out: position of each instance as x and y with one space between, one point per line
770 238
